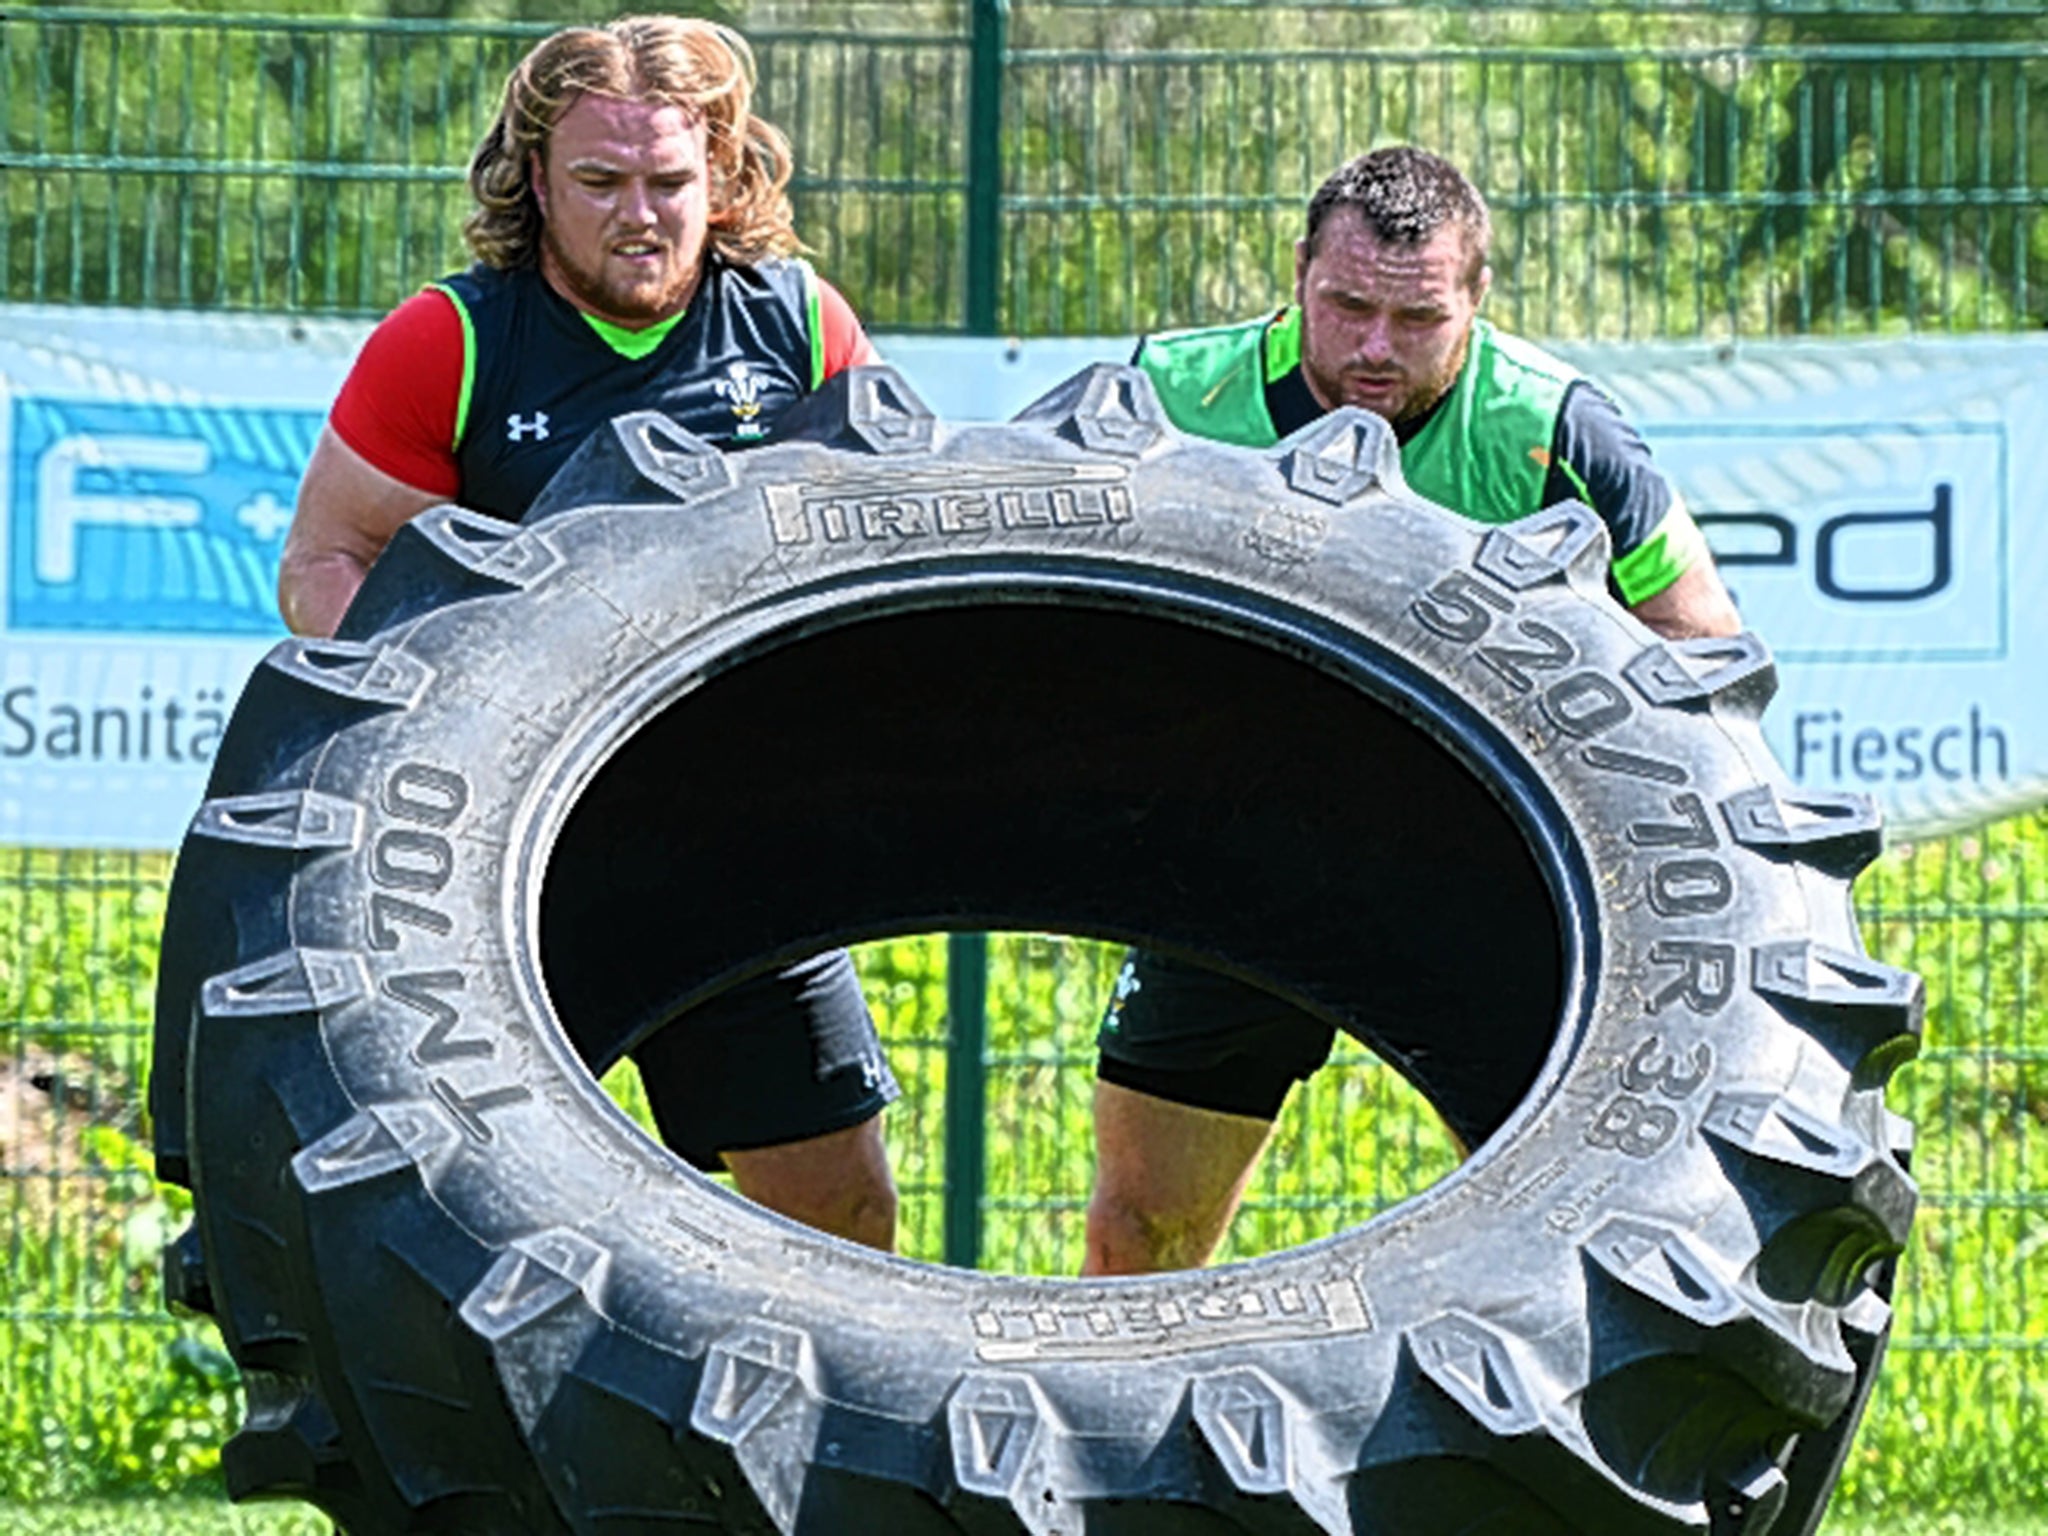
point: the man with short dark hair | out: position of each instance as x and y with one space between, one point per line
1388 280
635 251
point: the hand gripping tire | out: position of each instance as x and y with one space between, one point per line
701 714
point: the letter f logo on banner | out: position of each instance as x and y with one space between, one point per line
62 507
517 430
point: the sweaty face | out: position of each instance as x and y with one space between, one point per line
624 192
1383 325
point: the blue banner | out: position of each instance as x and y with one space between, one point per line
127 517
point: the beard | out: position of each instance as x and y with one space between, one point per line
613 299
1423 398
1415 397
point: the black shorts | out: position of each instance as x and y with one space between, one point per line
786 1056
1195 1036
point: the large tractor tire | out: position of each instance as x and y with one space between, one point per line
702 714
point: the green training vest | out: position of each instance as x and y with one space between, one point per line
1485 452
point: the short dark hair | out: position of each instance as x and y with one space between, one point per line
1407 194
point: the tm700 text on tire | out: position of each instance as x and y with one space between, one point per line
703 713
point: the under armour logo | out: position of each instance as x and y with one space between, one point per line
515 429
1128 986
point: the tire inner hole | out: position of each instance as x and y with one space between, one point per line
1041 767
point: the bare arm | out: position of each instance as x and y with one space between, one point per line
348 510
1695 605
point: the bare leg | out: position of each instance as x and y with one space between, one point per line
839 1183
1168 1178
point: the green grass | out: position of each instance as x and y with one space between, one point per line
102 1395
160 1517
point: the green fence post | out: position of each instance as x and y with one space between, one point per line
967 953
988 43
966 1094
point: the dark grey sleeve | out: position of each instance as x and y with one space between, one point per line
1598 458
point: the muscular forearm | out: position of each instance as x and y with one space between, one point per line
314 591
1694 606
348 510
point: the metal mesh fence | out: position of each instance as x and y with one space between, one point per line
1657 169
1712 191
318 165
1667 170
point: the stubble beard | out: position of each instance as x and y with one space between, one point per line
1420 401
609 300
1417 402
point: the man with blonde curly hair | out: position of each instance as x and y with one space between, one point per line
634 251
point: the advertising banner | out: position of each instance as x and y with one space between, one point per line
1877 506
1880 511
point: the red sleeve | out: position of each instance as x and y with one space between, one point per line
846 344
397 406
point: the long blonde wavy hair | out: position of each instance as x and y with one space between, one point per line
698 65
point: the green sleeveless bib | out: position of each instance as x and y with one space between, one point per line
1485 452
